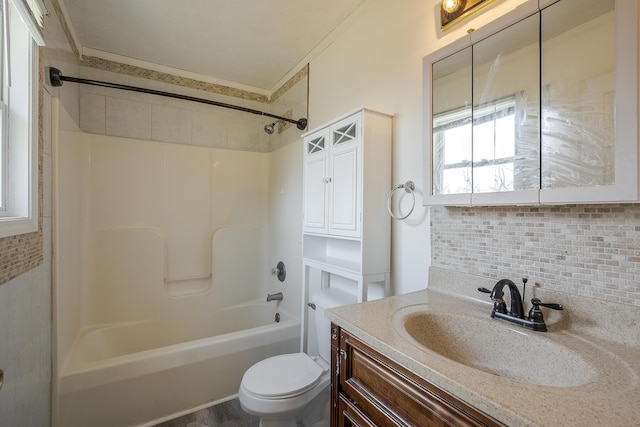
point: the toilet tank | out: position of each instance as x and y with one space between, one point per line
324 299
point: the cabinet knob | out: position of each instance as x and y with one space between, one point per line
326 180
334 333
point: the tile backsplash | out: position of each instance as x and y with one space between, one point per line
587 250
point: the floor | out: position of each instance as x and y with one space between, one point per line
227 414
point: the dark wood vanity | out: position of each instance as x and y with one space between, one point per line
369 389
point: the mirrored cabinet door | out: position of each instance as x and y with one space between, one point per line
506 105
452 124
578 83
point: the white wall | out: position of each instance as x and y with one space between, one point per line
25 324
376 60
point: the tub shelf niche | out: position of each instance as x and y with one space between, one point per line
184 286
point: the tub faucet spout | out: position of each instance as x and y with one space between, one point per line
274 297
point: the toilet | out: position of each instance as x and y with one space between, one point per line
288 388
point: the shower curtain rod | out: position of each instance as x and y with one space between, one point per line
56 78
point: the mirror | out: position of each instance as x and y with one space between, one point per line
578 81
540 106
451 124
485 114
506 99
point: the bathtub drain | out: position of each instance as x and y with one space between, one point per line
277 319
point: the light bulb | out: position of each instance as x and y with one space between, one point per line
450 6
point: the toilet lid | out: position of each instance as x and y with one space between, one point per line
283 375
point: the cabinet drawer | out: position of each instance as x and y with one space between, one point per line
386 391
351 416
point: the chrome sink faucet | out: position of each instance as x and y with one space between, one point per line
535 318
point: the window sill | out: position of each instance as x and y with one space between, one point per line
15 226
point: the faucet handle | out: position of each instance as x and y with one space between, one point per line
498 303
535 314
537 302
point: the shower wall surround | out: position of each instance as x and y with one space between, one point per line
114 112
592 251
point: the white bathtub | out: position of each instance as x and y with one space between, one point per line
139 373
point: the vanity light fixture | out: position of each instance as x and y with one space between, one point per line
453 11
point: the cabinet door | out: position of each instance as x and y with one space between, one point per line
589 102
390 395
344 168
343 193
315 183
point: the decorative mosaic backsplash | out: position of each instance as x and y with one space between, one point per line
586 250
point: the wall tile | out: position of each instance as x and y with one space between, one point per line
592 251
129 119
170 124
93 113
208 129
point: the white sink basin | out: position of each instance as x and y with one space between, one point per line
494 347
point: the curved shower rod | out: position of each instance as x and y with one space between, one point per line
56 78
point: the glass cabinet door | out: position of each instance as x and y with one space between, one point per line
451 124
506 105
578 94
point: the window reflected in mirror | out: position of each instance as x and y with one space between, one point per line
506 97
451 124
486 103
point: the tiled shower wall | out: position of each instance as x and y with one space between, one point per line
121 113
593 251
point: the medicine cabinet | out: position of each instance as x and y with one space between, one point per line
538 107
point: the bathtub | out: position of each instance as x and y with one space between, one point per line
143 372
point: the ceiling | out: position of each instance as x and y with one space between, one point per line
254 43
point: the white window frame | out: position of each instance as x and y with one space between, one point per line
19 212
458 118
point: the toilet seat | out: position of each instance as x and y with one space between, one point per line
282 376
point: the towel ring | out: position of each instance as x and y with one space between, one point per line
409 187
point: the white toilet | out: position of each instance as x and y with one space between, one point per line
288 388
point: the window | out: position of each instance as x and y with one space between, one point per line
494 131
487 163
19 119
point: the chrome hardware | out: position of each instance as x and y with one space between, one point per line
280 271
311 305
277 318
274 297
326 180
409 187
334 333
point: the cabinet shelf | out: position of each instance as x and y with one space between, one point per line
350 270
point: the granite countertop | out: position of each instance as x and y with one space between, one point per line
609 396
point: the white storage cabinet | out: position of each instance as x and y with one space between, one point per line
347 177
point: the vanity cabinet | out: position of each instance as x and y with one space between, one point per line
538 107
369 389
347 179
